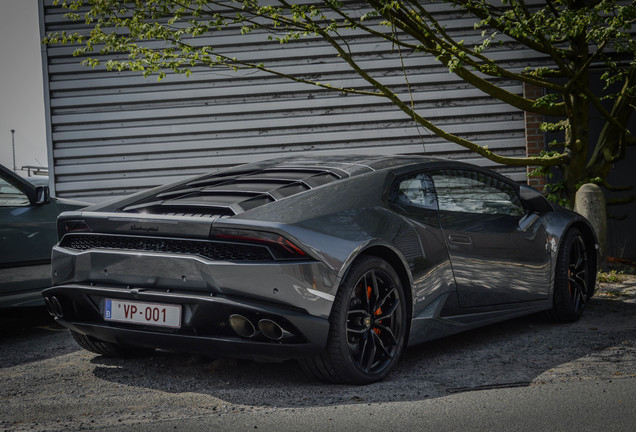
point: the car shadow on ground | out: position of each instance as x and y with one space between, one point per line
21 332
520 352
19 322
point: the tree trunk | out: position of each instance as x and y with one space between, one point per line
577 133
614 139
576 143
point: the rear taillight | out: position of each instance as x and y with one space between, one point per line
280 247
71 226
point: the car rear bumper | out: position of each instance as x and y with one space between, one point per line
204 326
307 285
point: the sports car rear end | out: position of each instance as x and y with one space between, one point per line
175 269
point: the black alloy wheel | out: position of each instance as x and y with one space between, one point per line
368 326
574 278
374 322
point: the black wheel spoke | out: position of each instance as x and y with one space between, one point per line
370 356
385 298
387 331
365 292
578 266
361 349
576 299
356 330
374 293
578 293
356 313
378 342
578 256
581 278
390 312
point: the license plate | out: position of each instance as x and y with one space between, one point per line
162 315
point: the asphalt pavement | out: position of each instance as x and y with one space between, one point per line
604 405
526 374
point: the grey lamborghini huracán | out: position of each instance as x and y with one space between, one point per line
340 262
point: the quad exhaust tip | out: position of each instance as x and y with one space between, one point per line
48 306
242 326
53 307
272 330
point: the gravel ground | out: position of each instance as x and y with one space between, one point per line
47 383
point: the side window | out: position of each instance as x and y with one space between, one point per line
416 190
474 192
10 196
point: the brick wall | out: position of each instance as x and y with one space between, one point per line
535 139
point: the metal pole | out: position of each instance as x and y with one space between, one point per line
13 146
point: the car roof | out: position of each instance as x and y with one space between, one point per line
351 164
242 188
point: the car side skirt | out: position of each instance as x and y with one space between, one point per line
433 324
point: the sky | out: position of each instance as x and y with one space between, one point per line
21 85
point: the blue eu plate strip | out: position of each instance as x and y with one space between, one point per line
107 309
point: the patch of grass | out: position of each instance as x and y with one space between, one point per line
611 276
614 293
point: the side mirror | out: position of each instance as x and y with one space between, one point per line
533 201
42 195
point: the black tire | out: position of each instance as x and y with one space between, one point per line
107 349
368 326
574 278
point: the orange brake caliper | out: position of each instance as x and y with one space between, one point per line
377 312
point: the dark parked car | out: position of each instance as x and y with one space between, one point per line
28 231
337 261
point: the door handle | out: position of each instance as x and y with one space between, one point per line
459 238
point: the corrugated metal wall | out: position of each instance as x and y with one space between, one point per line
112 133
